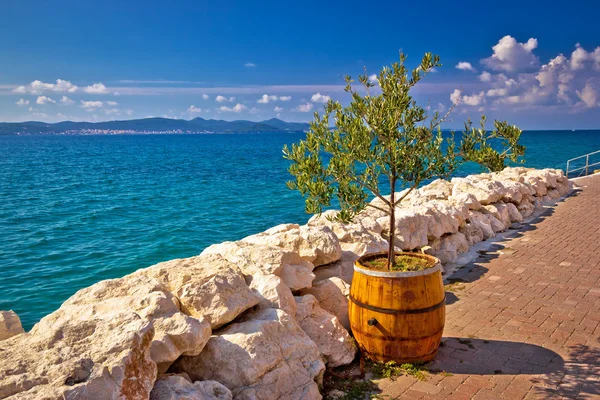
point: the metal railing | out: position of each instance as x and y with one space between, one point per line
585 170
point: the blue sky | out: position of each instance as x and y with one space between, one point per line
536 65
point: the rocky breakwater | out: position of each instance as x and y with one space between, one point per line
258 318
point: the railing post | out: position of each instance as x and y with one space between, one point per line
587 162
568 161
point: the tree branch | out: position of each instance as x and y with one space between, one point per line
378 208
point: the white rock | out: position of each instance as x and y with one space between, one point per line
499 211
179 387
255 259
266 355
332 294
316 244
465 199
332 339
207 287
411 228
513 213
483 222
473 232
77 353
526 208
275 293
176 333
485 191
449 247
343 269
436 190
10 324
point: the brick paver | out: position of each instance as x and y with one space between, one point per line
523 321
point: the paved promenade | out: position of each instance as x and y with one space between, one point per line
524 321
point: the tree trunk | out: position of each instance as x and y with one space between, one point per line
391 261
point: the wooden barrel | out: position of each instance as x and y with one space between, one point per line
398 316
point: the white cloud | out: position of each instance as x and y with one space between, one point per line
373 78
510 55
455 96
22 102
285 98
91 105
249 65
193 109
485 76
278 109
589 94
66 101
580 56
220 99
237 108
320 98
38 87
96 88
129 112
205 96
112 103
441 108
44 100
473 100
231 99
465 66
112 111
496 92
304 107
265 99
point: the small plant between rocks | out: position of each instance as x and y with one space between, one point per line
392 370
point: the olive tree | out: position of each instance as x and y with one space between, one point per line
383 141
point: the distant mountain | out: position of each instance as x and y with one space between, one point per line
150 125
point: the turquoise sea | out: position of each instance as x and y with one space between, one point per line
78 209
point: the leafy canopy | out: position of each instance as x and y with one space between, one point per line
386 137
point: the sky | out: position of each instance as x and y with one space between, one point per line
534 64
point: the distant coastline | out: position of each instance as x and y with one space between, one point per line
149 126
161 126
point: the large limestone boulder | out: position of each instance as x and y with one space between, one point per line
332 294
467 200
486 191
275 294
180 387
527 208
473 232
515 192
513 213
411 228
176 333
439 189
266 355
256 259
499 211
483 223
332 339
207 287
445 218
10 324
76 353
449 247
316 244
343 269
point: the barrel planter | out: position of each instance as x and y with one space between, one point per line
398 316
